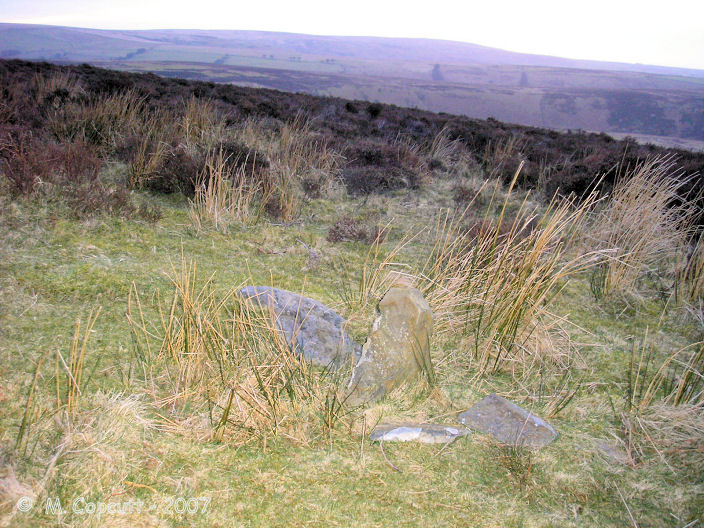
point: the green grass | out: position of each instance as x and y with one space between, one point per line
53 270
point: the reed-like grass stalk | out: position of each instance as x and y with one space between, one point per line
74 366
25 426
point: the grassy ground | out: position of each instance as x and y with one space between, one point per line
54 269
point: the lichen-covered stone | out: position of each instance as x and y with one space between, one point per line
508 423
426 433
397 348
313 330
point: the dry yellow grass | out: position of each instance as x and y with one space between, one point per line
295 154
643 225
495 282
220 364
224 195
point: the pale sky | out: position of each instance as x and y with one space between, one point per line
668 33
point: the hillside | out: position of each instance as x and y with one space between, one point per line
139 386
559 160
439 76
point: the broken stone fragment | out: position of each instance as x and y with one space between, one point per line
311 328
508 423
397 349
426 433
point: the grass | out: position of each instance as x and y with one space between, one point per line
175 389
124 438
644 223
222 197
494 281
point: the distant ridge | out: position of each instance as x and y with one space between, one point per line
436 75
412 49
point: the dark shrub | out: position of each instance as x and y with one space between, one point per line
476 227
111 82
80 163
374 110
436 165
348 229
368 180
177 173
126 149
239 156
378 167
273 208
152 213
93 198
350 107
463 195
312 186
26 162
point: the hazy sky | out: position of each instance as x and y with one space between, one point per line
668 32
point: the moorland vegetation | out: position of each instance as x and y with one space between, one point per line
564 271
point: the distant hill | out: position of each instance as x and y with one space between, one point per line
436 75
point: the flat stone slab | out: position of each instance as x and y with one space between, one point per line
311 328
613 452
426 433
508 423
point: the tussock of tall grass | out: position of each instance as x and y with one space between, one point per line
643 225
501 157
218 367
224 195
380 270
94 451
490 283
45 86
676 380
495 282
664 402
201 125
445 150
152 146
295 154
102 122
689 282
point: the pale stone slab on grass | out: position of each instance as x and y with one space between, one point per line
311 328
425 433
508 423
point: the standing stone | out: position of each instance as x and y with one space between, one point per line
314 331
508 423
398 346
